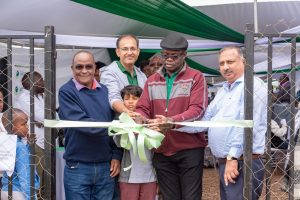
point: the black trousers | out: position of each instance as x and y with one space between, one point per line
180 176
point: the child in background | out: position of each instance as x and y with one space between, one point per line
21 174
139 182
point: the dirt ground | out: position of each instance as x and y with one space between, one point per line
211 185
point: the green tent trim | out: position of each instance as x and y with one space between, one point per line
171 14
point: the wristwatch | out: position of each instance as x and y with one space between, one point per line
229 157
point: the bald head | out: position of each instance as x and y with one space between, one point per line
83 52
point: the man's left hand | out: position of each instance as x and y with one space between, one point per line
231 171
114 167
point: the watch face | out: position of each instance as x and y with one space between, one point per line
229 157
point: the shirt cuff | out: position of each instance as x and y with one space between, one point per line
235 152
117 156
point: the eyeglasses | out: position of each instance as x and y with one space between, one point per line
126 49
173 57
87 67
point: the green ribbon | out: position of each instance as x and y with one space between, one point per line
218 123
146 138
126 127
136 136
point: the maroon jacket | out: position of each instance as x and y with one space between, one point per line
188 101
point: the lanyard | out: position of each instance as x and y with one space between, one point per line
169 81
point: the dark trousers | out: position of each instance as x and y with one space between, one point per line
235 190
180 176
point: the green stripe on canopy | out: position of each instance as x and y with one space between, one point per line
172 14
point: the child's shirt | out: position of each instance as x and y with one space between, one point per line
140 172
21 174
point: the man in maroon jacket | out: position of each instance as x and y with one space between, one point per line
176 93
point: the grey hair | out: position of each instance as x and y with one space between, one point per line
83 51
239 50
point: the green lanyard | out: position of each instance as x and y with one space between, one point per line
170 81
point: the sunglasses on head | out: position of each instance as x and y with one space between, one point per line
87 67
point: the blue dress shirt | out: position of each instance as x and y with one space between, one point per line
229 105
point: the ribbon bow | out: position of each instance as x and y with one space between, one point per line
146 138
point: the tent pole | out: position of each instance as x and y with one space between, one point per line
255 16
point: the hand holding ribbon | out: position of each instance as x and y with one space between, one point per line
146 138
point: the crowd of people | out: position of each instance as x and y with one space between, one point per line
162 91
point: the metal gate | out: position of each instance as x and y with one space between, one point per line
293 150
49 100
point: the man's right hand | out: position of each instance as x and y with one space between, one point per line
231 171
137 117
161 124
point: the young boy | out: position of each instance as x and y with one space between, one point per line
139 182
21 174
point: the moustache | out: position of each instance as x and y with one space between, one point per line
227 71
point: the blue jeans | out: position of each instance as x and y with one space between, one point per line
88 181
235 190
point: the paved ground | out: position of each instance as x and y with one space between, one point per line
211 186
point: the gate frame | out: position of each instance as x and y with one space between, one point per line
250 36
50 103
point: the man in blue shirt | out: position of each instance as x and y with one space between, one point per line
227 143
92 158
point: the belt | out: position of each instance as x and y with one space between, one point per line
254 157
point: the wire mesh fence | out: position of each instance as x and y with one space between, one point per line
283 117
281 166
25 143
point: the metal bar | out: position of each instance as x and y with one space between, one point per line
255 16
248 111
22 36
32 143
293 112
287 35
9 100
50 105
269 115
